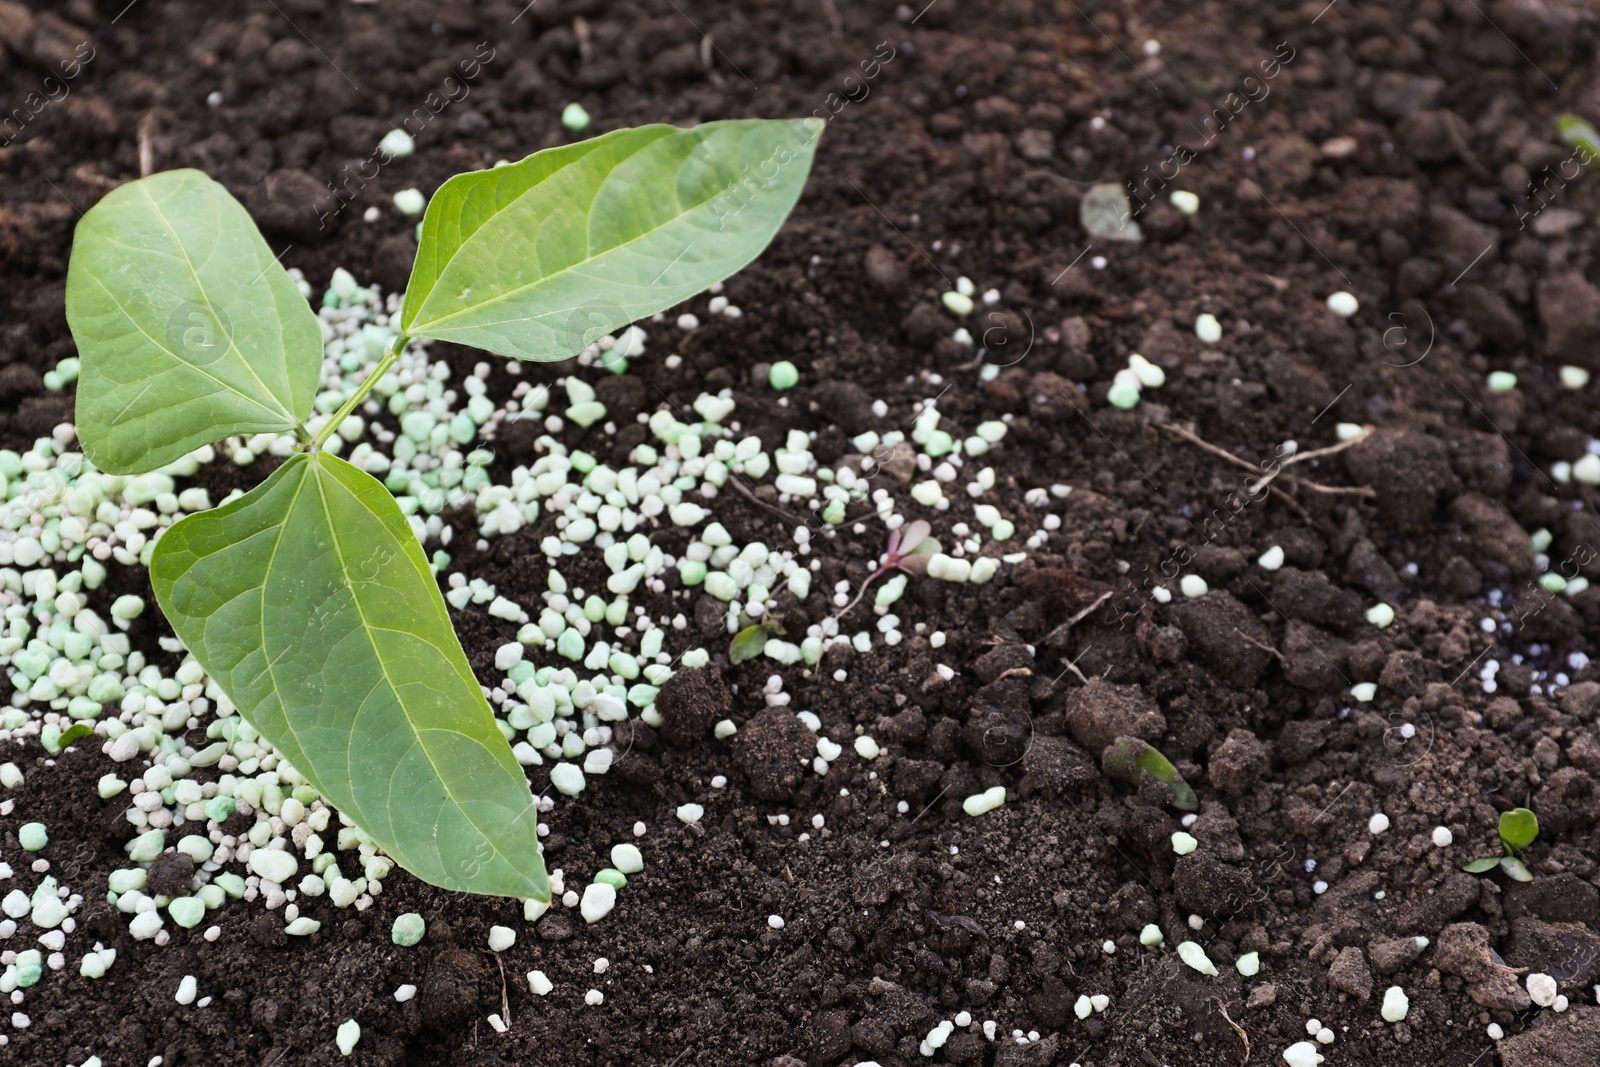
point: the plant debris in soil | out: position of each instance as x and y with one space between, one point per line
1356 667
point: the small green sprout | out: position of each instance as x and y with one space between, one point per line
1518 828
1128 759
1579 134
749 642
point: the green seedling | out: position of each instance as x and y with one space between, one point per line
1518 828
909 550
1128 759
1579 134
308 599
749 642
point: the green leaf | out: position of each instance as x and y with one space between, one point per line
1579 134
540 258
1515 869
188 329
747 644
310 602
1153 762
1518 828
72 733
1482 864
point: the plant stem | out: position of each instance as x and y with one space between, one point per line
396 346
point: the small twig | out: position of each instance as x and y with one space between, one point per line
775 509
1263 647
505 1001
147 156
1086 612
705 61
1236 1029
834 20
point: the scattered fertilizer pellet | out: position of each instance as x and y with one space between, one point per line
1150 935
1208 329
1542 989
1271 559
188 989
1302 1054
410 202
1183 843
32 836
602 965
1380 615
404 993
1347 431
1343 304
1495 1032
1195 956
594 998
1378 824
1192 585
867 748
775 921
1395 1004
597 901
627 858
408 929
783 375
688 813
575 118
348 1034
397 144
1249 964
538 984
1574 377
1325 1036
1501 381
984 802
1364 691
501 938
1442 837
1109 947
1186 202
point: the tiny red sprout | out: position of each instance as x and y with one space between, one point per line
901 555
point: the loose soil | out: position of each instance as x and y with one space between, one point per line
1389 154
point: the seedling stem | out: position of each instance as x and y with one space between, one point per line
396 346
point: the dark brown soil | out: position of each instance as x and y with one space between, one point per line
1390 154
